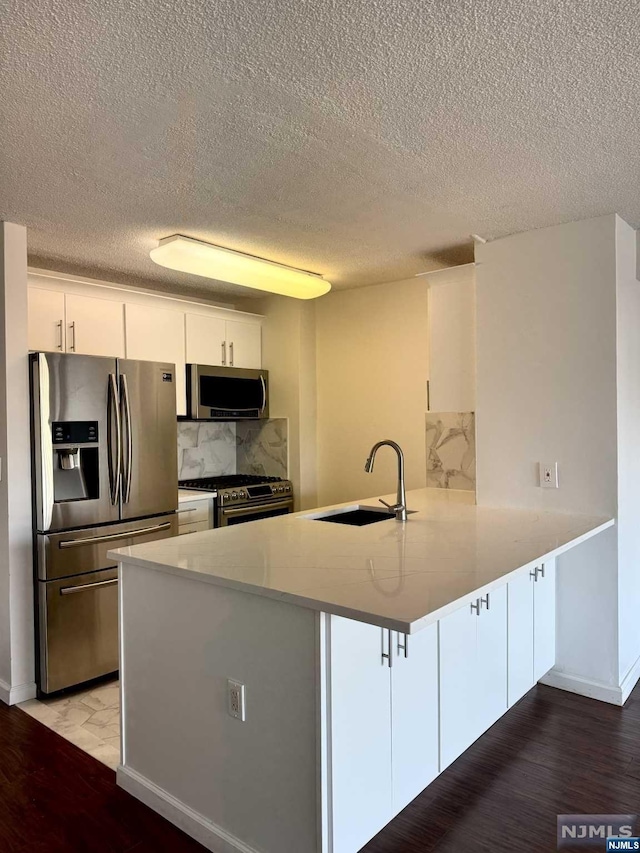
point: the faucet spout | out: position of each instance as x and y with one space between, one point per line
400 506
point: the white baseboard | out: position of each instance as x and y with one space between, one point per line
206 832
630 680
584 687
15 695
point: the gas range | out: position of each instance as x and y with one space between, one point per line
259 496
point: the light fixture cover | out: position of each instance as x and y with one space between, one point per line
192 256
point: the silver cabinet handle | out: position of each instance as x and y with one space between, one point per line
110 537
475 605
128 469
72 329
534 574
70 590
191 509
115 467
485 601
60 325
386 656
264 394
428 395
231 353
541 570
403 647
224 353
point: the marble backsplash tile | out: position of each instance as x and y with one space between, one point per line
262 447
451 450
210 448
206 449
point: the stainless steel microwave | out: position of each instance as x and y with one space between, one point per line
226 393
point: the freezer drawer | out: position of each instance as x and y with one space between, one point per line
76 552
78 629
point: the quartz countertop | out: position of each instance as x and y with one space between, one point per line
402 576
185 495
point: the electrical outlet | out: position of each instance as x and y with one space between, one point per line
549 475
236 699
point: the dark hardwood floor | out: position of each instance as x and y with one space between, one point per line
553 753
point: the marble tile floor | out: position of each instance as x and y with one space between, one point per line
88 718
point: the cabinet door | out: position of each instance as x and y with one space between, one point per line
452 345
360 733
94 326
544 620
205 340
157 334
491 667
458 713
520 636
414 713
46 320
244 344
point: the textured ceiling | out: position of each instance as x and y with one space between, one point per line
363 139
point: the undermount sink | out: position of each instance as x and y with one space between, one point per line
357 516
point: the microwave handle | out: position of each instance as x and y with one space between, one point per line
264 394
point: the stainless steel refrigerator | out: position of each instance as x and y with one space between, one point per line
105 476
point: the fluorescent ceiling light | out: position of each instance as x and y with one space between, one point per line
193 256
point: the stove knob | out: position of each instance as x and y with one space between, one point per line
234 496
226 497
287 488
242 494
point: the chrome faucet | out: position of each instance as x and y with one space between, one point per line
400 506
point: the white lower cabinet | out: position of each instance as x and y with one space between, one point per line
360 719
532 628
384 725
544 620
414 714
473 672
401 709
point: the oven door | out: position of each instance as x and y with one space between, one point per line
229 515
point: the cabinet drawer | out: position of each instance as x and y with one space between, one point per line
193 528
194 512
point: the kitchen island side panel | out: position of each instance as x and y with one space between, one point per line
257 780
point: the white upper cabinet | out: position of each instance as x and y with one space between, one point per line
94 326
46 320
244 344
157 334
206 337
452 341
69 315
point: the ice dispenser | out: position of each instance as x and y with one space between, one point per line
75 461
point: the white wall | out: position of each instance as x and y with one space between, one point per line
372 368
16 563
628 387
288 353
546 391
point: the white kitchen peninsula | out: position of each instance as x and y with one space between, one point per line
371 657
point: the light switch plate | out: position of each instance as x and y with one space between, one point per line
548 475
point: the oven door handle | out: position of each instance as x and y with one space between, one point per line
230 512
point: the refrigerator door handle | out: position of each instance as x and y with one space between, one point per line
115 466
111 537
128 465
